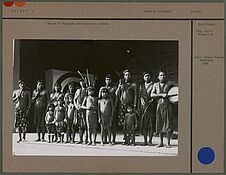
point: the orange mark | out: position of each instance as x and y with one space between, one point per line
20 4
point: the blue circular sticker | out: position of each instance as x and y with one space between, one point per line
206 155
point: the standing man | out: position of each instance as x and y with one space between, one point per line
164 118
111 91
40 100
147 108
22 102
80 94
127 95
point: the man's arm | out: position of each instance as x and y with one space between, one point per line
135 116
135 95
119 88
34 96
153 92
46 118
75 98
99 94
84 103
29 101
98 111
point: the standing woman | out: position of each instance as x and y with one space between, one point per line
22 102
70 93
164 118
147 108
56 94
127 95
40 100
54 97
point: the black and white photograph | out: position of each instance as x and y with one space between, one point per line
95 97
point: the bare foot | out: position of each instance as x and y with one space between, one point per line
19 141
160 145
150 144
144 144
168 146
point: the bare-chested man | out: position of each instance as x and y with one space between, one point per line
127 95
80 94
105 113
40 100
22 102
111 91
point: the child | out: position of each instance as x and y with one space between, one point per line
105 113
49 119
70 120
90 105
60 115
130 124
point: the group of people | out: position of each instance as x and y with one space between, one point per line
79 110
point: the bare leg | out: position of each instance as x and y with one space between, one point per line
55 134
109 135
145 137
160 140
39 134
52 137
133 139
86 135
113 131
90 136
62 137
73 134
102 135
95 136
59 137
168 134
150 137
68 135
24 133
43 134
19 132
80 130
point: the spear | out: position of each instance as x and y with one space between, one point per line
81 75
87 73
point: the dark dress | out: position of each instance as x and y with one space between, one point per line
80 94
91 114
40 109
126 97
146 106
164 118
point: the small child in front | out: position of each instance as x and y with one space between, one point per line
60 115
49 120
130 124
